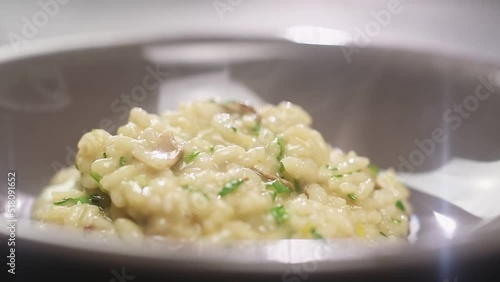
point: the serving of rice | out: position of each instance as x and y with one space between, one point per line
222 171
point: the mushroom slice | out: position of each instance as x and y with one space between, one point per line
159 154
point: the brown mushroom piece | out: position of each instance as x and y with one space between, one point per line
159 154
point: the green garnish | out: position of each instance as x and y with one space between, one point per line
278 186
279 213
234 129
93 199
282 146
256 128
282 167
396 220
400 205
104 155
339 175
316 234
191 157
296 185
352 196
212 149
122 161
383 234
97 177
374 169
76 166
231 186
331 168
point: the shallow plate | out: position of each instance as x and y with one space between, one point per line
416 112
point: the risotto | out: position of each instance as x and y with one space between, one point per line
222 171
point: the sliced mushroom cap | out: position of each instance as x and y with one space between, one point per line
159 154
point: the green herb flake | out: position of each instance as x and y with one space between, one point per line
315 234
383 234
279 213
374 169
191 157
104 155
256 128
282 146
122 161
231 186
331 168
234 129
339 175
278 186
352 197
93 199
212 149
76 166
397 221
400 205
96 176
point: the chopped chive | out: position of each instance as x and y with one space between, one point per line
191 157
339 175
296 185
212 149
400 205
396 220
234 129
104 155
282 146
93 199
279 213
96 176
352 196
231 186
383 234
315 234
122 161
278 186
76 166
374 169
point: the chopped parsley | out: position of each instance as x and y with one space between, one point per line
231 186
282 146
374 169
212 149
352 197
315 234
396 220
331 168
256 128
400 205
104 155
96 176
234 129
191 157
279 213
93 199
122 161
278 186
383 234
